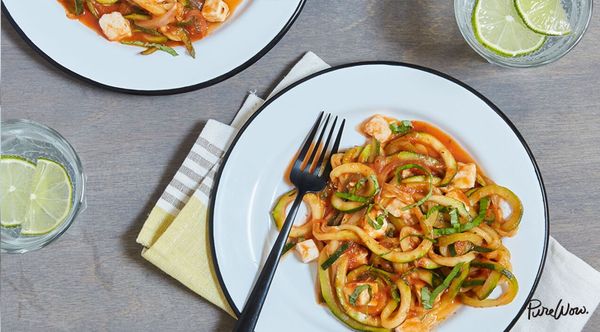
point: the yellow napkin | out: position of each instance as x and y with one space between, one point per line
175 235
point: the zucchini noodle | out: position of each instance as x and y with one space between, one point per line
408 229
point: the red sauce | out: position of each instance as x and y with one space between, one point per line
457 151
88 19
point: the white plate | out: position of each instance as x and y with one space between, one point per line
252 178
253 29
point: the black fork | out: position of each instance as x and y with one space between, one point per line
309 174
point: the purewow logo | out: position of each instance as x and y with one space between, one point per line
536 309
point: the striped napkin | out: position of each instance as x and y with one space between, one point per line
175 236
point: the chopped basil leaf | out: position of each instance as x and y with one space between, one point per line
352 197
359 184
481 249
459 228
401 127
473 282
354 296
334 257
288 247
426 298
452 250
442 287
160 47
379 220
78 7
454 217
395 294
336 219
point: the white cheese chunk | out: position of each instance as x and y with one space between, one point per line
115 26
307 250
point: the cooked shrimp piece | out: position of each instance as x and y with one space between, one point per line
379 128
215 10
465 177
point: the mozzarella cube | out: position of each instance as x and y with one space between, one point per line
465 176
115 26
307 250
379 128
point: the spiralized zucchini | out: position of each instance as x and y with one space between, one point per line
408 229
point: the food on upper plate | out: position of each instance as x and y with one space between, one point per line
156 25
407 229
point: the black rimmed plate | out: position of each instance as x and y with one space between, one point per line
253 29
253 172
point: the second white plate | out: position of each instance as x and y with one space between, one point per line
254 28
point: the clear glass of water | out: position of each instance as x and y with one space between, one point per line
29 140
579 13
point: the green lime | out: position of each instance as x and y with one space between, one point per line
50 199
547 17
498 26
15 184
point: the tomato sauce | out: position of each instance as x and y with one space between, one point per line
451 144
91 21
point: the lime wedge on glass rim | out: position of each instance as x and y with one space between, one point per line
15 186
50 198
547 17
498 26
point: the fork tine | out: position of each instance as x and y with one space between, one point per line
334 149
308 142
317 144
318 164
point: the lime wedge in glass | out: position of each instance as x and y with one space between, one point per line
547 17
15 184
498 26
50 199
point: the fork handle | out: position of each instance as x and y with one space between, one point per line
249 317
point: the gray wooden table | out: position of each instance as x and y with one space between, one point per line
94 278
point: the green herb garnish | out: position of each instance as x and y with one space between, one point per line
439 289
459 228
352 197
288 246
354 296
426 298
426 197
159 47
334 257
401 128
78 7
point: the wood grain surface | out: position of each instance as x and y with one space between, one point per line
94 278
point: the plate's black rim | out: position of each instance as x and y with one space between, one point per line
188 88
388 63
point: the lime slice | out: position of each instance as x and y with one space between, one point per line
50 199
498 26
15 185
547 17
